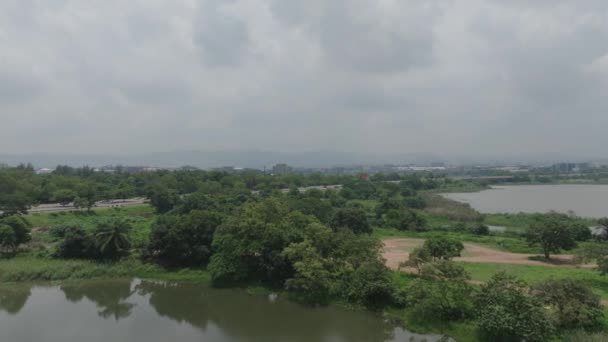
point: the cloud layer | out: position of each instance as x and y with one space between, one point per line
478 77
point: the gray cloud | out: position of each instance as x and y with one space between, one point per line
485 77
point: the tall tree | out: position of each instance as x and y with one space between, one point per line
552 233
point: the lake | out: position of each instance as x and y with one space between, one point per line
148 311
584 200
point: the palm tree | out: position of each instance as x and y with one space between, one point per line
112 239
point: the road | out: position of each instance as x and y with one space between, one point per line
56 207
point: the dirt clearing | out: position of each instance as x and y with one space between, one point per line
397 250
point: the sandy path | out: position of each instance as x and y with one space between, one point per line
397 250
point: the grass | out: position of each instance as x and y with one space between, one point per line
141 219
534 274
499 242
30 268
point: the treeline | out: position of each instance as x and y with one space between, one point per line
21 187
315 245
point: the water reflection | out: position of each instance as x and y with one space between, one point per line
109 296
146 311
256 318
14 297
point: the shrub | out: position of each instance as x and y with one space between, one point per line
480 229
573 304
354 219
370 285
442 248
507 312
442 292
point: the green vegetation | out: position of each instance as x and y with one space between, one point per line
506 311
317 246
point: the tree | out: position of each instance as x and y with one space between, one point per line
14 230
442 291
184 240
76 244
507 312
64 196
597 252
370 285
552 233
8 240
14 197
111 239
163 199
354 219
418 257
86 198
250 246
480 229
581 232
442 248
573 305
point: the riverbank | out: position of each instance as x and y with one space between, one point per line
31 268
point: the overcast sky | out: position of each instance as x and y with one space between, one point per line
467 77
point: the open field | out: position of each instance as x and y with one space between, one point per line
397 250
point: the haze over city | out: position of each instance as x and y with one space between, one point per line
473 79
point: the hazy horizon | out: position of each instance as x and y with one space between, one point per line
478 79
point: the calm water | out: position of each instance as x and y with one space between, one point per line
134 311
584 200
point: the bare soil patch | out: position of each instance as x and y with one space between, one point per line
397 250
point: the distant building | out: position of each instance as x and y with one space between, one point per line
43 171
364 177
282 169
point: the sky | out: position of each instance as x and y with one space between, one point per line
444 77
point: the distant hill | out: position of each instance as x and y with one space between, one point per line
210 159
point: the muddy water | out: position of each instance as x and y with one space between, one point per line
144 311
583 200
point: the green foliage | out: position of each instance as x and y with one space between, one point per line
63 196
443 291
480 229
354 219
184 240
442 248
370 285
14 230
250 246
573 305
76 244
163 199
404 219
507 312
16 193
111 239
581 231
418 257
552 233
60 231
8 240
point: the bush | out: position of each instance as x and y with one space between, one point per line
184 240
507 312
442 248
480 229
370 285
581 232
442 292
76 245
60 231
354 219
573 304
405 220
14 230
